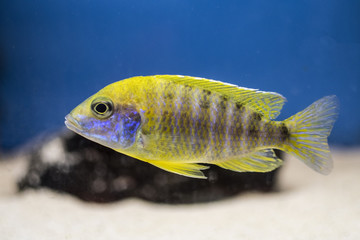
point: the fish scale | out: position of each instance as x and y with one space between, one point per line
212 131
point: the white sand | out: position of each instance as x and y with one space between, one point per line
307 206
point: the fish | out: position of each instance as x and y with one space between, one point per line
185 124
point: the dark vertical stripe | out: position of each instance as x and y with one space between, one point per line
238 133
253 129
269 129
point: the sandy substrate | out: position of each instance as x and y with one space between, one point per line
306 206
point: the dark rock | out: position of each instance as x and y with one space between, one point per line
72 164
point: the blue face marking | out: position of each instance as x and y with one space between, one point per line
130 124
118 131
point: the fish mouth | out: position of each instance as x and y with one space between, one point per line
72 124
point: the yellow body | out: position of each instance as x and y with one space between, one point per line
187 120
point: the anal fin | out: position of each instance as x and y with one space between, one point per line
260 161
186 169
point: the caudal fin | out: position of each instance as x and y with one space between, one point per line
309 130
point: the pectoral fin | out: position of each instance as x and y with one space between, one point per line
261 161
186 169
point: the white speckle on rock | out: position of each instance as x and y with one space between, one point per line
99 185
123 183
53 152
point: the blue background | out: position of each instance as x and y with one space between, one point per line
54 54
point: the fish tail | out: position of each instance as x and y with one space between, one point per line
308 132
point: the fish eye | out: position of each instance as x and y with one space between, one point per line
102 108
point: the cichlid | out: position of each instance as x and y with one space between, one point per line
176 122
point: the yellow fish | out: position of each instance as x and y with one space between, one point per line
176 122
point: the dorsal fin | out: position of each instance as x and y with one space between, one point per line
268 104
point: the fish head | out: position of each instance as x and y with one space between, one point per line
106 121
